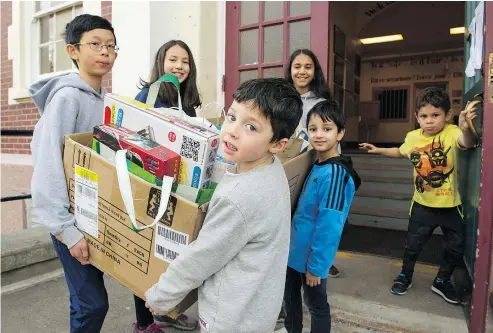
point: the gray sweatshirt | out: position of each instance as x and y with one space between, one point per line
239 258
67 105
309 100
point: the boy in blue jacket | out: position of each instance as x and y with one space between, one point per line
317 224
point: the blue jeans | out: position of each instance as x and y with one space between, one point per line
315 299
88 297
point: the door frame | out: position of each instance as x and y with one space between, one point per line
484 252
319 42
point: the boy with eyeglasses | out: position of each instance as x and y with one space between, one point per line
72 103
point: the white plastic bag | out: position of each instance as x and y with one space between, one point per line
126 191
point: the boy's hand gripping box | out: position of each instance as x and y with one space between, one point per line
196 146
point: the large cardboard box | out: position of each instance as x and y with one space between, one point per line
197 146
138 259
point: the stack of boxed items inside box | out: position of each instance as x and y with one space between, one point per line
131 236
159 145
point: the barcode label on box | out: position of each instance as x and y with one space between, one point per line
166 253
169 243
86 200
88 192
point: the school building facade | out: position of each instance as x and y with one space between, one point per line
375 84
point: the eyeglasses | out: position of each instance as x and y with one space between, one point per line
99 47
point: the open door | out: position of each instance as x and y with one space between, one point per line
476 169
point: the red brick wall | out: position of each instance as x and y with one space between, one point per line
17 116
106 13
25 115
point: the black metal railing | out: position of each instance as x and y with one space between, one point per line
16 132
16 197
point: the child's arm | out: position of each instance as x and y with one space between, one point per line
221 238
467 139
49 188
389 152
330 222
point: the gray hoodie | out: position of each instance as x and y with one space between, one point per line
309 100
67 105
238 261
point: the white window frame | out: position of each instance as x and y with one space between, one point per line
25 55
38 45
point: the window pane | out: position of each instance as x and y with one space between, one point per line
273 10
43 5
297 8
299 35
249 12
62 18
249 47
46 25
273 43
46 59
63 61
273 72
247 75
393 104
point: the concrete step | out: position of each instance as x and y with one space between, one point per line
376 159
380 207
378 211
385 178
383 222
384 193
380 166
30 276
401 188
378 175
28 259
26 247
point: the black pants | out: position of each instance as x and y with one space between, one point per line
144 316
315 299
422 223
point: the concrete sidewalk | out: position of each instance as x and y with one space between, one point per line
45 308
360 302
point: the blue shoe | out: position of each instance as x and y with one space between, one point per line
401 284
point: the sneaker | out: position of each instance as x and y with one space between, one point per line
181 323
446 289
333 272
401 284
153 328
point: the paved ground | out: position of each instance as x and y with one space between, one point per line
360 302
45 309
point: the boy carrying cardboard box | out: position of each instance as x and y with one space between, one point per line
72 103
244 240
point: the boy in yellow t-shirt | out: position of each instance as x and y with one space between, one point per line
432 150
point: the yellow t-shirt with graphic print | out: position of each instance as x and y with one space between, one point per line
435 161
